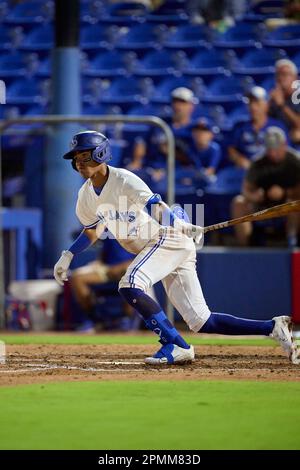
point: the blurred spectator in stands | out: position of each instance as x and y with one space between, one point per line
110 267
248 137
290 15
219 14
160 159
292 10
272 179
204 151
282 104
183 104
156 168
151 4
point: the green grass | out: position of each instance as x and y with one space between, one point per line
63 338
151 415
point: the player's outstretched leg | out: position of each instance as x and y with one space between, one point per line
279 328
174 348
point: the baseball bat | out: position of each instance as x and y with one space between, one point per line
270 213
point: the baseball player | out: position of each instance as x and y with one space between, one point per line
164 246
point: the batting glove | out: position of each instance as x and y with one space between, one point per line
192 231
62 266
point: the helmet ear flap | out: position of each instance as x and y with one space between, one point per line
97 154
102 154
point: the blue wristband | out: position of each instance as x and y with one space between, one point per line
155 199
168 216
80 244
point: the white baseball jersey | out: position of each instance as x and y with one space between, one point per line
163 253
120 207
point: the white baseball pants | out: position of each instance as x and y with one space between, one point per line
171 258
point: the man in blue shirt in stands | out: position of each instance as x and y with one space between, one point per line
204 151
248 137
183 105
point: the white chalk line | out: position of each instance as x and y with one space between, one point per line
108 363
45 368
120 363
33 367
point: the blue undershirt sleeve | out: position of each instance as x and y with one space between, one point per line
81 243
167 216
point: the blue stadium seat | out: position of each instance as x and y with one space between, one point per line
150 109
91 11
162 92
110 64
268 83
12 65
31 12
40 38
27 91
227 91
188 36
259 62
296 60
264 77
216 114
124 92
160 63
242 35
210 62
124 13
36 110
9 112
44 69
229 181
101 109
5 37
142 37
4 8
15 64
219 194
91 90
10 37
287 37
239 113
95 37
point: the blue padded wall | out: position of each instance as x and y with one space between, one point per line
254 283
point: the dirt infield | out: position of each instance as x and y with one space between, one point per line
26 364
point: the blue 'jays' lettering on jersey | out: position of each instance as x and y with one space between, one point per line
124 216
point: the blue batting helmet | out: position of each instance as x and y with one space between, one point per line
90 140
